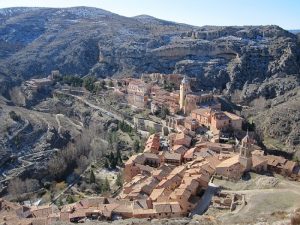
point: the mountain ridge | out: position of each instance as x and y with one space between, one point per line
245 63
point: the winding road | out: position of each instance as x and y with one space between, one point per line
25 163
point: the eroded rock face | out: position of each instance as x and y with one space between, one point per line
295 217
248 62
92 41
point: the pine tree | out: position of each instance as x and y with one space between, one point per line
92 177
106 186
136 146
60 203
106 164
111 157
100 185
70 199
119 180
119 158
113 163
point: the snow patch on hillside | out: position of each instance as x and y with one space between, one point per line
14 11
84 12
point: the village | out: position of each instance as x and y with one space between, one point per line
193 144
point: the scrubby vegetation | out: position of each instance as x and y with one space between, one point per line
14 116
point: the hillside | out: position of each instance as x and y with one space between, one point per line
242 62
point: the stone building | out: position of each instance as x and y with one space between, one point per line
245 156
202 115
153 144
191 123
138 93
217 120
231 168
172 158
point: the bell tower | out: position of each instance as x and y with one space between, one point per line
246 149
184 86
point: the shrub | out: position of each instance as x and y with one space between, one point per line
14 116
119 180
89 83
92 177
74 81
106 186
136 146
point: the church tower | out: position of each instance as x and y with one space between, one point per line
184 87
246 149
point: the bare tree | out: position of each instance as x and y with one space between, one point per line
82 164
16 188
17 96
83 144
236 97
31 185
57 166
260 103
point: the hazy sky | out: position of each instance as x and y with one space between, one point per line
285 13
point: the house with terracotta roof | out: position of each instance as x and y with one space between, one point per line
180 149
189 155
259 163
181 195
179 170
138 93
162 172
231 168
191 123
172 158
216 147
151 159
235 121
170 182
182 139
153 144
219 120
131 169
280 165
202 115
157 193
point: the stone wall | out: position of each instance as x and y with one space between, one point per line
147 124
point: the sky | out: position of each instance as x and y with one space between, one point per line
285 13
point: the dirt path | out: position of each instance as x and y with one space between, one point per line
16 133
59 125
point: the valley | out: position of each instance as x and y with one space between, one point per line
107 119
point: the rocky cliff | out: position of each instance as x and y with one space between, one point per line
243 62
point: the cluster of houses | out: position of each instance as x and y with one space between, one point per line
162 183
180 175
186 108
170 180
148 92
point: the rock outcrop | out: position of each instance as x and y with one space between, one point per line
246 62
93 41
